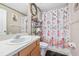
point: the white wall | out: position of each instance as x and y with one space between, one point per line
74 17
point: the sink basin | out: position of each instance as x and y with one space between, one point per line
20 40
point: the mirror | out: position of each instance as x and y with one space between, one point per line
3 24
12 22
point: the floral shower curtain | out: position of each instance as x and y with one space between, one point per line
55 27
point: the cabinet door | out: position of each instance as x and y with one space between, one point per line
36 51
26 51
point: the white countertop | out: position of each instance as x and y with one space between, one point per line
11 49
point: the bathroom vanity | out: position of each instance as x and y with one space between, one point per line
30 48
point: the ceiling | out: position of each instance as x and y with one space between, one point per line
49 6
22 7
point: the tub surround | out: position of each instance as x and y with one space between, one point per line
65 51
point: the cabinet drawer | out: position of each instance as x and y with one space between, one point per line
26 51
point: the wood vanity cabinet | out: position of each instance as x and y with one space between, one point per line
35 52
31 50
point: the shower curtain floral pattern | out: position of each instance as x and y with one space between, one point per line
55 27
